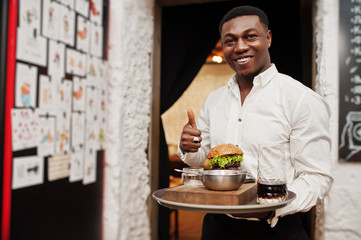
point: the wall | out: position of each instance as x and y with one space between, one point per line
342 211
126 172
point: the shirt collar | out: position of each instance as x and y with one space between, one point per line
263 78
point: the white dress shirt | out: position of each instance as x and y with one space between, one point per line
278 110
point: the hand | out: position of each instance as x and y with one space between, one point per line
189 132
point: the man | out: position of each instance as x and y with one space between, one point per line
259 105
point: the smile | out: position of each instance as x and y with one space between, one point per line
243 60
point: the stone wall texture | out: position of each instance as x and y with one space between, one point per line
127 190
342 208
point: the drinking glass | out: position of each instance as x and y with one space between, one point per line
192 177
271 174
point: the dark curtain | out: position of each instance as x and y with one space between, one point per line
189 33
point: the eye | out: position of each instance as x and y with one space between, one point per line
251 37
228 42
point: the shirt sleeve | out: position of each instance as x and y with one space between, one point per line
310 149
197 159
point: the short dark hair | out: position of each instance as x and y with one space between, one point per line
244 11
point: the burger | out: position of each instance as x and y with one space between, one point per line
225 156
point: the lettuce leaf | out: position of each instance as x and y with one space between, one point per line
223 160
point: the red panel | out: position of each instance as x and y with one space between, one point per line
9 104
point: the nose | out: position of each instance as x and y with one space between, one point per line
241 46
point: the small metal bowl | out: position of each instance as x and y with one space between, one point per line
224 180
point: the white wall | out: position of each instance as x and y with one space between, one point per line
342 207
127 187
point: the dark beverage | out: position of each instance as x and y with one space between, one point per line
267 193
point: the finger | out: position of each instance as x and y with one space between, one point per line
190 146
191 132
189 139
191 118
193 147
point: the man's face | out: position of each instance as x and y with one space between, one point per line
245 46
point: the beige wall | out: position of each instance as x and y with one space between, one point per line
209 78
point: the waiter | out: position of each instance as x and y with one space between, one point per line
259 105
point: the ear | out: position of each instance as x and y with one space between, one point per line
269 38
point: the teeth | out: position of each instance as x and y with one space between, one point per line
243 60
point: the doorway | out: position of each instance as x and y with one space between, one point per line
291 51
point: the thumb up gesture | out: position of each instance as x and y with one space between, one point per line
191 136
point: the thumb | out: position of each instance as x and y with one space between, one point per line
191 118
